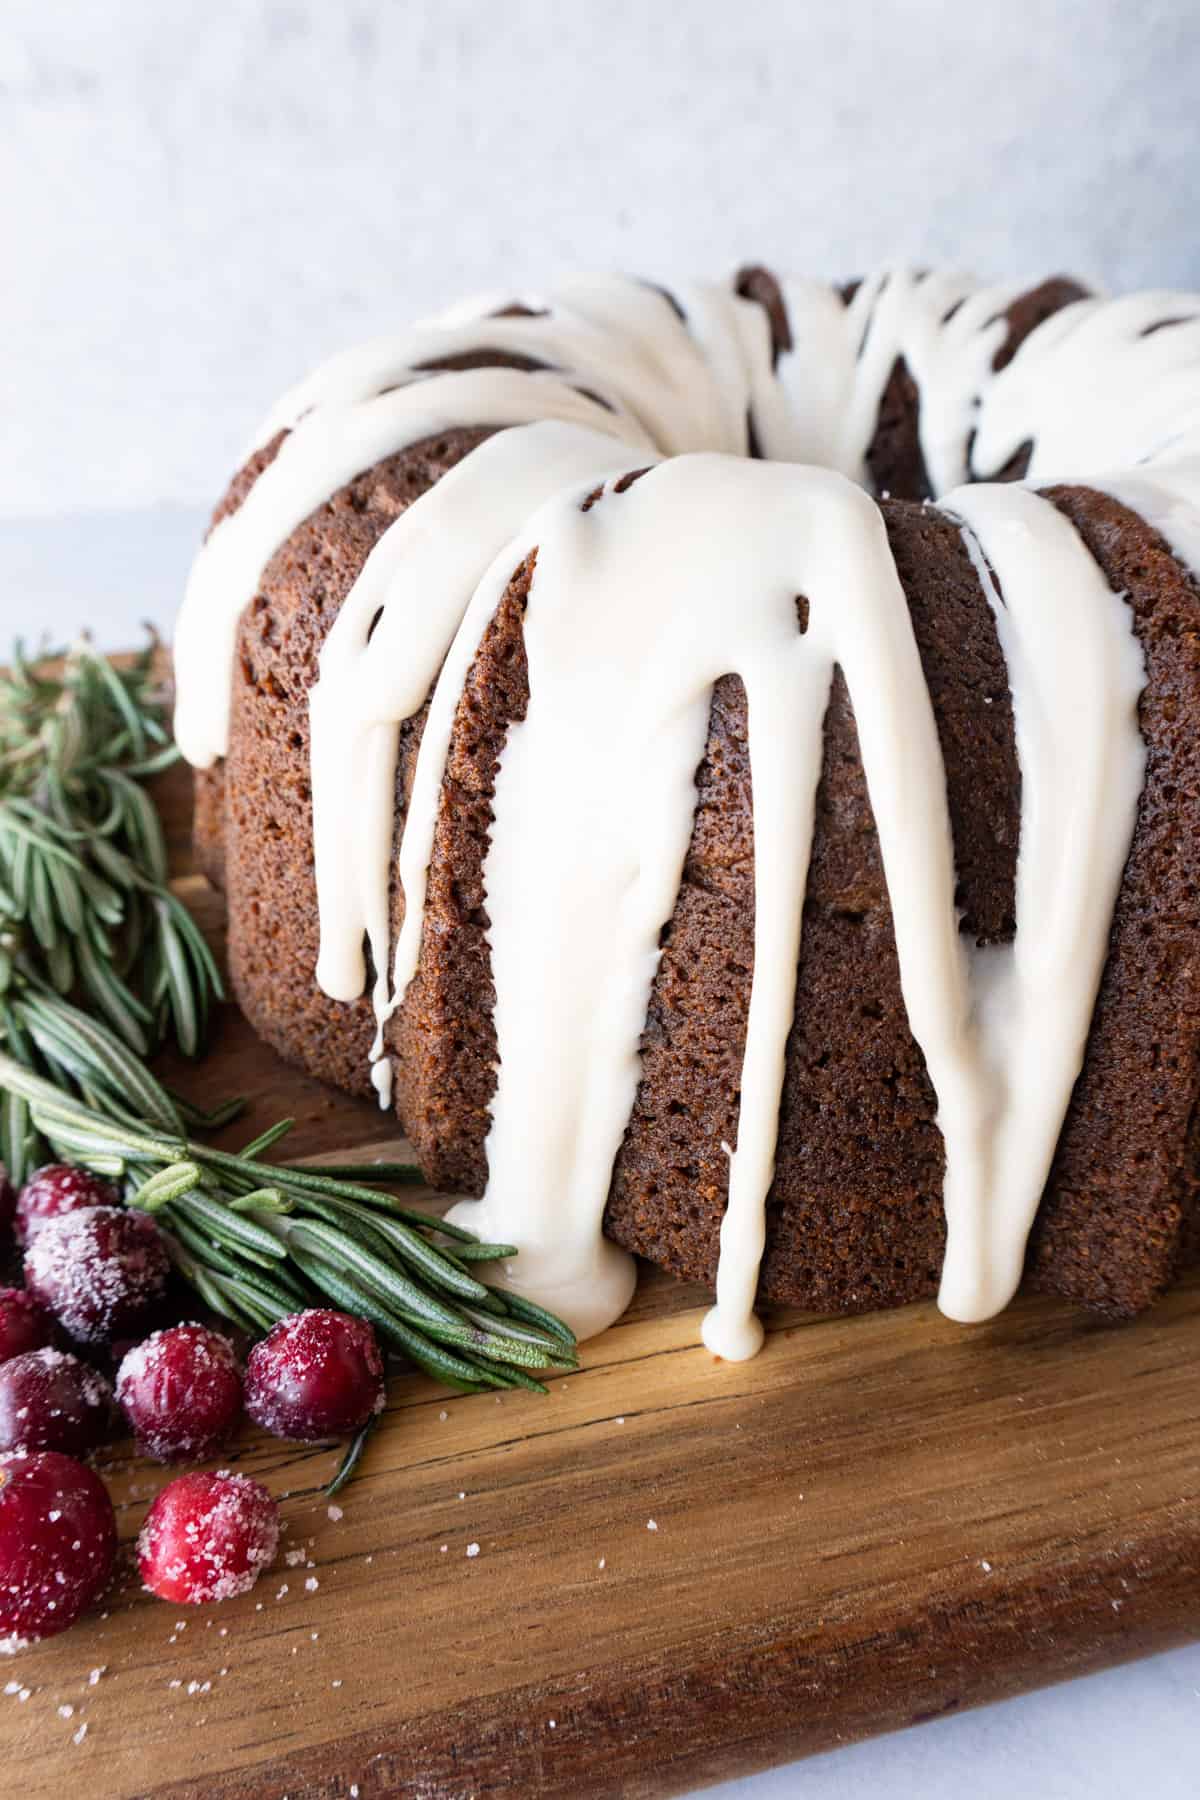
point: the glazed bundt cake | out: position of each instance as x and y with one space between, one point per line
724 764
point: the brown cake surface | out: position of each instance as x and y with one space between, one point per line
854 1216
266 804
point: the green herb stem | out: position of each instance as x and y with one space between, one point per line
258 1239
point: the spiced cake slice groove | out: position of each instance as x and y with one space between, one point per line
1120 1217
265 818
854 1214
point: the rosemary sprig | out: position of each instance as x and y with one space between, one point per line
258 1239
85 910
98 962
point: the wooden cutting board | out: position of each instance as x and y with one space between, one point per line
670 1571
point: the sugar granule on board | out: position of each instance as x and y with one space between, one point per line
651 1524
335 1513
472 1549
311 1585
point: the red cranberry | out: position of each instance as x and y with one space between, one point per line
207 1537
181 1391
24 1325
317 1374
52 1401
102 1272
58 1189
58 1540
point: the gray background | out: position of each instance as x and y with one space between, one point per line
199 201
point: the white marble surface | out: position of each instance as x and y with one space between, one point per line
195 202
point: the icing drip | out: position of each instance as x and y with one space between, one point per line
592 828
417 583
1075 672
324 450
634 596
1145 410
590 838
943 327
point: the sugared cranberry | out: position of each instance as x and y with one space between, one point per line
58 1539
24 1325
317 1374
207 1537
102 1272
8 1203
52 1401
56 1189
181 1391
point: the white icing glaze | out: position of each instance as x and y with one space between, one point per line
1097 389
946 330
322 451
418 582
1075 672
592 826
634 596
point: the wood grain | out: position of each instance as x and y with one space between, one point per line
685 1570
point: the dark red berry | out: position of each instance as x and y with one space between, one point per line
52 1401
24 1325
8 1203
56 1189
207 1537
181 1391
317 1374
102 1272
58 1540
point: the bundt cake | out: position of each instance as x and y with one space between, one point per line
724 764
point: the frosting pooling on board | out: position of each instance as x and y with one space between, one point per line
647 592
